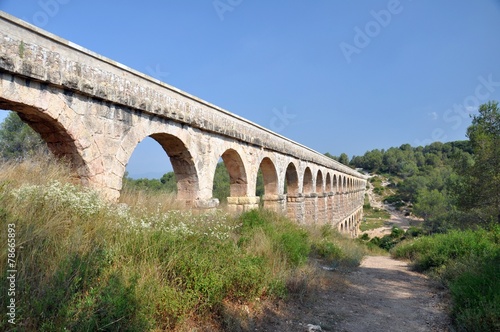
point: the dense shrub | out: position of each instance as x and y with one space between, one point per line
387 242
468 263
394 199
437 250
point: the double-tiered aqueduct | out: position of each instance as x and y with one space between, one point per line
95 111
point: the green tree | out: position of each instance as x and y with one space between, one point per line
480 188
221 187
259 187
329 155
344 159
169 181
373 160
391 160
409 188
407 169
434 207
18 140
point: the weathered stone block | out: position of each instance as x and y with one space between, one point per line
207 204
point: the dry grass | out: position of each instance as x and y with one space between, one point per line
149 200
87 264
40 169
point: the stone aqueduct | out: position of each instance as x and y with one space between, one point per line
94 112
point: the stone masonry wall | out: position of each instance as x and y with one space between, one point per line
32 52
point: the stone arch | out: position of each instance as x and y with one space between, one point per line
319 182
238 182
334 183
307 181
270 176
328 183
182 164
56 131
291 179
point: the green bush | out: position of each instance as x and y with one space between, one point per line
328 250
437 250
468 263
396 232
364 237
476 296
295 246
393 199
336 250
387 242
414 232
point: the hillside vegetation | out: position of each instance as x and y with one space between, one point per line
449 185
455 188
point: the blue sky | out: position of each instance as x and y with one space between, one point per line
337 76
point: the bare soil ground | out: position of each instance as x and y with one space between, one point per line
381 295
397 217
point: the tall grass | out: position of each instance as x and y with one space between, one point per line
87 265
468 263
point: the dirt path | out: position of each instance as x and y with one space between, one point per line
381 295
384 295
397 217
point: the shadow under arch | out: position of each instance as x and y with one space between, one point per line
291 180
308 181
183 166
238 182
319 182
270 176
58 138
328 183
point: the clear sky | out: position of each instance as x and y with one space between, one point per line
337 76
